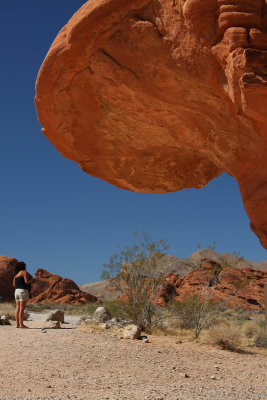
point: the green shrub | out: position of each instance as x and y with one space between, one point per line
194 313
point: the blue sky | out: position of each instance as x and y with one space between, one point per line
52 214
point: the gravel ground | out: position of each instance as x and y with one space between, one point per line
71 363
41 316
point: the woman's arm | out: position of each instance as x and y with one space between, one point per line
14 285
26 277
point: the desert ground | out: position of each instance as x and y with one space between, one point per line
78 363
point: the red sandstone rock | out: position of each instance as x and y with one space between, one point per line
253 281
158 96
49 288
7 273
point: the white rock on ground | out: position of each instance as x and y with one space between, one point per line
5 320
101 314
56 315
131 332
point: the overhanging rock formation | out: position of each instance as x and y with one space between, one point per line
160 95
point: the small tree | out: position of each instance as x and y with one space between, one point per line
134 271
197 309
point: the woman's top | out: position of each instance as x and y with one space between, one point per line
20 283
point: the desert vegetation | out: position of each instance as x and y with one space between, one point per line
230 329
134 272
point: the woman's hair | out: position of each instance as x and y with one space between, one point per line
21 266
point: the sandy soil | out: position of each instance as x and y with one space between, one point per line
71 363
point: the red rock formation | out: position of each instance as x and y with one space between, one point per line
231 280
158 96
7 272
49 288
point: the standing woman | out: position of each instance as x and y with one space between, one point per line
20 283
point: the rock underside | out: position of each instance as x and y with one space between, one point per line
157 96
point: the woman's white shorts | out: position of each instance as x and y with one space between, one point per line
21 295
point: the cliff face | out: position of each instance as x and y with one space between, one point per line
7 273
157 96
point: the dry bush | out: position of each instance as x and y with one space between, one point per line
251 329
175 323
228 337
8 309
261 339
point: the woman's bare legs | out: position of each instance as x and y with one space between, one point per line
17 312
21 313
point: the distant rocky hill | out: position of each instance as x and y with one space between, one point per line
50 288
173 265
240 287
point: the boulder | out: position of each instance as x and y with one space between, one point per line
131 332
101 314
167 96
50 288
56 315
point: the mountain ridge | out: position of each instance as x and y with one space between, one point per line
103 290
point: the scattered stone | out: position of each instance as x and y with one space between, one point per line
56 315
144 339
213 377
104 326
101 314
5 320
52 325
131 332
185 375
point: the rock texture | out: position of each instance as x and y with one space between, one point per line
131 332
56 315
157 96
49 288
7 272
252 295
